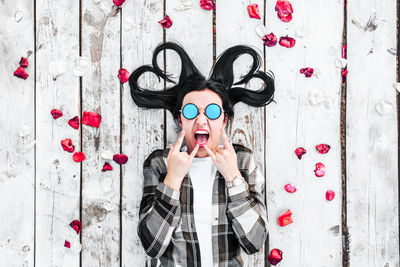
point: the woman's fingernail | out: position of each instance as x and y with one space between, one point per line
182 131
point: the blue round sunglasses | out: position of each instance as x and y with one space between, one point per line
212 111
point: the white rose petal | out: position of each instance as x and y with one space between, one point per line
108 154
108 206
356 22
25 131
392 51
397 86
76 247
96 1
316 97
341 62
181 7
81 66
383 107
28 147
300 33
18 15
261 30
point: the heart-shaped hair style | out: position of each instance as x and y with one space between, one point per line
190 79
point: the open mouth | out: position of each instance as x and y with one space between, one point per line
201 137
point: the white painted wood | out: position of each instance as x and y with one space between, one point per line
233 27
372 174
143 130
314 237
101 94
16 110
57 175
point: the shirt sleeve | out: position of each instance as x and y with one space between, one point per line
246 210
159 211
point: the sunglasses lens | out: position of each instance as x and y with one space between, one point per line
213 111
189 111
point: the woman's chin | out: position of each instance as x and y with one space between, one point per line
201 153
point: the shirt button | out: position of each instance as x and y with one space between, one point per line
216 192
216 218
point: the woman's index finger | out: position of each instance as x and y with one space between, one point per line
178 143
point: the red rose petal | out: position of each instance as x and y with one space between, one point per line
207 4
123 75
290 188
21 73
308 72
287 41
330 195
322 148
344 48
253 11
300 152
56 113
91 119
166 22
67 145
344 74
275 256
118 2
285 218
284 17
67 244
319 169
23 62
76 225
107 167
74 122
78 156
284 9
120 158
270 39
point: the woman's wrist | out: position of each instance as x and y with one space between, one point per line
232 176
172 183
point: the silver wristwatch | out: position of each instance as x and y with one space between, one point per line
238 180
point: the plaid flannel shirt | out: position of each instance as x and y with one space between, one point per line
166 222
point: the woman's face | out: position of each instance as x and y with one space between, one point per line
202 99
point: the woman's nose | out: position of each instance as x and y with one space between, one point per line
201 118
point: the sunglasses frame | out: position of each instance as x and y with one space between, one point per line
204 111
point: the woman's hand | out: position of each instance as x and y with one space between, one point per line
225 159
178 163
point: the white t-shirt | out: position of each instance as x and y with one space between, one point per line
202 174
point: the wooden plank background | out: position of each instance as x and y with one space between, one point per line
42 189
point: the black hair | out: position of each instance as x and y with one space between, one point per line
190 79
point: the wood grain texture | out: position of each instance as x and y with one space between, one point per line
293 122
17 173
143 129
58 176
372 176
234 27
101 94
42 189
